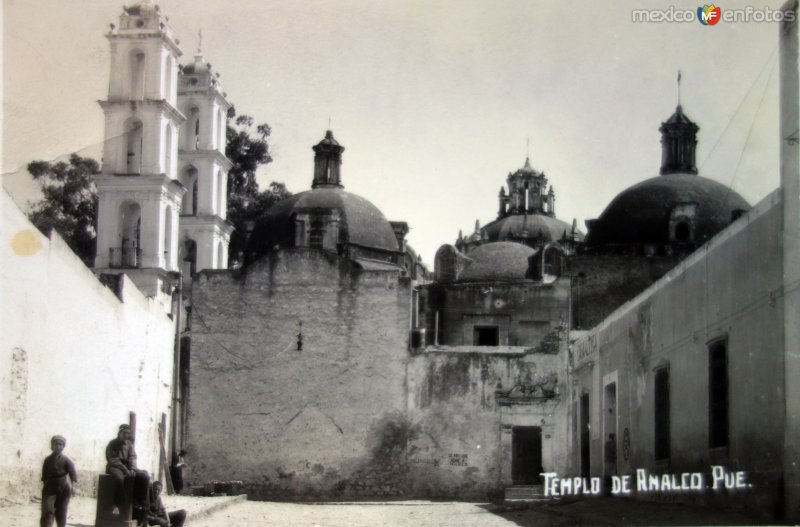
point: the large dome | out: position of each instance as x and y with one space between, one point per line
360 223
497 262
641 214
522 226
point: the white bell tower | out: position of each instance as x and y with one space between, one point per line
203 169
140 196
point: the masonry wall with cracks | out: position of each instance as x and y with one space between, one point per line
298 378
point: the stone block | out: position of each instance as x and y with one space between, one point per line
105 516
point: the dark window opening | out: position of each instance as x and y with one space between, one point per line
194 198
315 234
662 414
585 432
486 336
682 232
717 395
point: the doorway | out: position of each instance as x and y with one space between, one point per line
526 455
585 436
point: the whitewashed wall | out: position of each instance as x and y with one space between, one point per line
74 359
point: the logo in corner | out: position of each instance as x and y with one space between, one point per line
708 15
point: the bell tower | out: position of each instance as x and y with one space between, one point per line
139 194
205 234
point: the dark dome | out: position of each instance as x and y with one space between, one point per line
640 214
518 226
497 262
361 222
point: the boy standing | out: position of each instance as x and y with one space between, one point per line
57 488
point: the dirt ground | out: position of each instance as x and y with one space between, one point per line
230 511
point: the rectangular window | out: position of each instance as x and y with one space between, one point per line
486 336
718 394
316 234
662 414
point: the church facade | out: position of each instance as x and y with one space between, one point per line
331 366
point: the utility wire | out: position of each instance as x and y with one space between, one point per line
741 104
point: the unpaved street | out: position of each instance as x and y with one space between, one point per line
401 514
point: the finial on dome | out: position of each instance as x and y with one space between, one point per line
527 166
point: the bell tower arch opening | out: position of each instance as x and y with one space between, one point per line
133 146
137 70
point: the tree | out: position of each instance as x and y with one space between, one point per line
69 203
246 204
245 211
246 151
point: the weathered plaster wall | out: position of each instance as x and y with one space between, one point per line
526 312
325 421
74 359
460 437
727 289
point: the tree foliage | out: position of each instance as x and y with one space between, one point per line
247 151
245 211
69 202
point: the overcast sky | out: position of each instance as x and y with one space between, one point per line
433 100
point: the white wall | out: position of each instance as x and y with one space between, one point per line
74 359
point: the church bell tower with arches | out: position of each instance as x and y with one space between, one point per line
163 187
203 169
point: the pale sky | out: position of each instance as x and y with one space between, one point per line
433 100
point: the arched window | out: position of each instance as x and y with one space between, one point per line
191 130
682 232
133 146
128 254
189 179
137 74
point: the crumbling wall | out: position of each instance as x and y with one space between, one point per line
463 406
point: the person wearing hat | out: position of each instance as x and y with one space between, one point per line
58 487
157 515
121 463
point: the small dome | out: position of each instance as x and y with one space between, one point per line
497 262
640 214
361 223
519 226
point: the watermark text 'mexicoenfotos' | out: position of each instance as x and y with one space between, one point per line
710 15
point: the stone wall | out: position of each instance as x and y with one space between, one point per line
75 359
322 420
